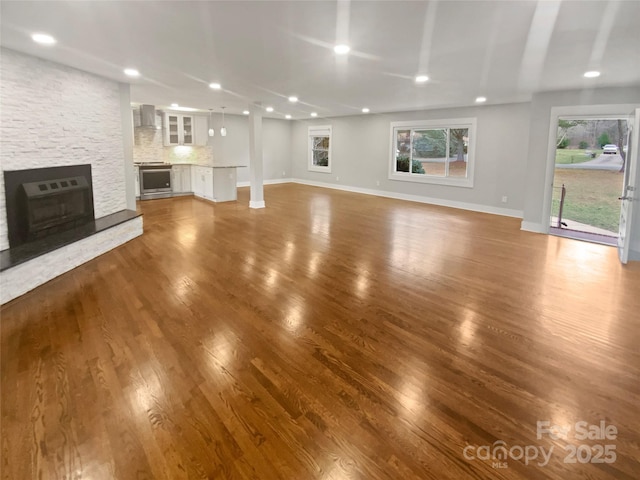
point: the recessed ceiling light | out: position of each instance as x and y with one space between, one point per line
215 86
293 99
342 49
175 105
481 99
314 114
365 110
246 112
43 38
269 109
288 117
131 72
422 78
592 74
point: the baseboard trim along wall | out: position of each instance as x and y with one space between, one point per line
272 181
505 212
533 227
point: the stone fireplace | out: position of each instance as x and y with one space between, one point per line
67 170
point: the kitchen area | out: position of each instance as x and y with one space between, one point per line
173 156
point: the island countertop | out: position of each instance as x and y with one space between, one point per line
158 164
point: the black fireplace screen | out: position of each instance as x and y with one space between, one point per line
56 205
44 201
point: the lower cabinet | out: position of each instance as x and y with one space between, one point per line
181 178
202 181
208 183
186 179
197 181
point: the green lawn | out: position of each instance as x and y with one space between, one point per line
567 155
592 197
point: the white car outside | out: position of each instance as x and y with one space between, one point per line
610 149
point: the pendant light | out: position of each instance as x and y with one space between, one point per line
223 130
212 132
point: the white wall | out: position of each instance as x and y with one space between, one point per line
52 115
361 150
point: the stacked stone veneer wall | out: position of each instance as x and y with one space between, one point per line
53 115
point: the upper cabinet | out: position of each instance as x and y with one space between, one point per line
179 129
202 130
185 129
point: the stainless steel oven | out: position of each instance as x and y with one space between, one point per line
155 180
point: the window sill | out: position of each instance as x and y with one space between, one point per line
319 169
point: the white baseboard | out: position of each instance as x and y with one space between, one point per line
533 227
271 181
507 212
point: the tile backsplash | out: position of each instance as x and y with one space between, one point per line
148 147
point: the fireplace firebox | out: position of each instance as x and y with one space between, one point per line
44 201
55 205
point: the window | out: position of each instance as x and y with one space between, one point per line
320 149
433 151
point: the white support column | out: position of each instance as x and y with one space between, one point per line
255 159
127 145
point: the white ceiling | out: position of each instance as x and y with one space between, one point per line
267 51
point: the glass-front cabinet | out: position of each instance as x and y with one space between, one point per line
178 129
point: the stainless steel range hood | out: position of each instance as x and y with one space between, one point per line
148 116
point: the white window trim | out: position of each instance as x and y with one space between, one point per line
311 166
467 182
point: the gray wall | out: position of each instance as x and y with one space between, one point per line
361 150
234 148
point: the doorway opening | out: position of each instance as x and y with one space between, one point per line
590 163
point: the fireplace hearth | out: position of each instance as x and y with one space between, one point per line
45 201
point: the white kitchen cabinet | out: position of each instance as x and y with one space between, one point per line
202 182
186 179
202 130
197 181
179 129
208 183
176 179
181 178
136 174
194 180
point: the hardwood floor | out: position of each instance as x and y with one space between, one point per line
329 336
